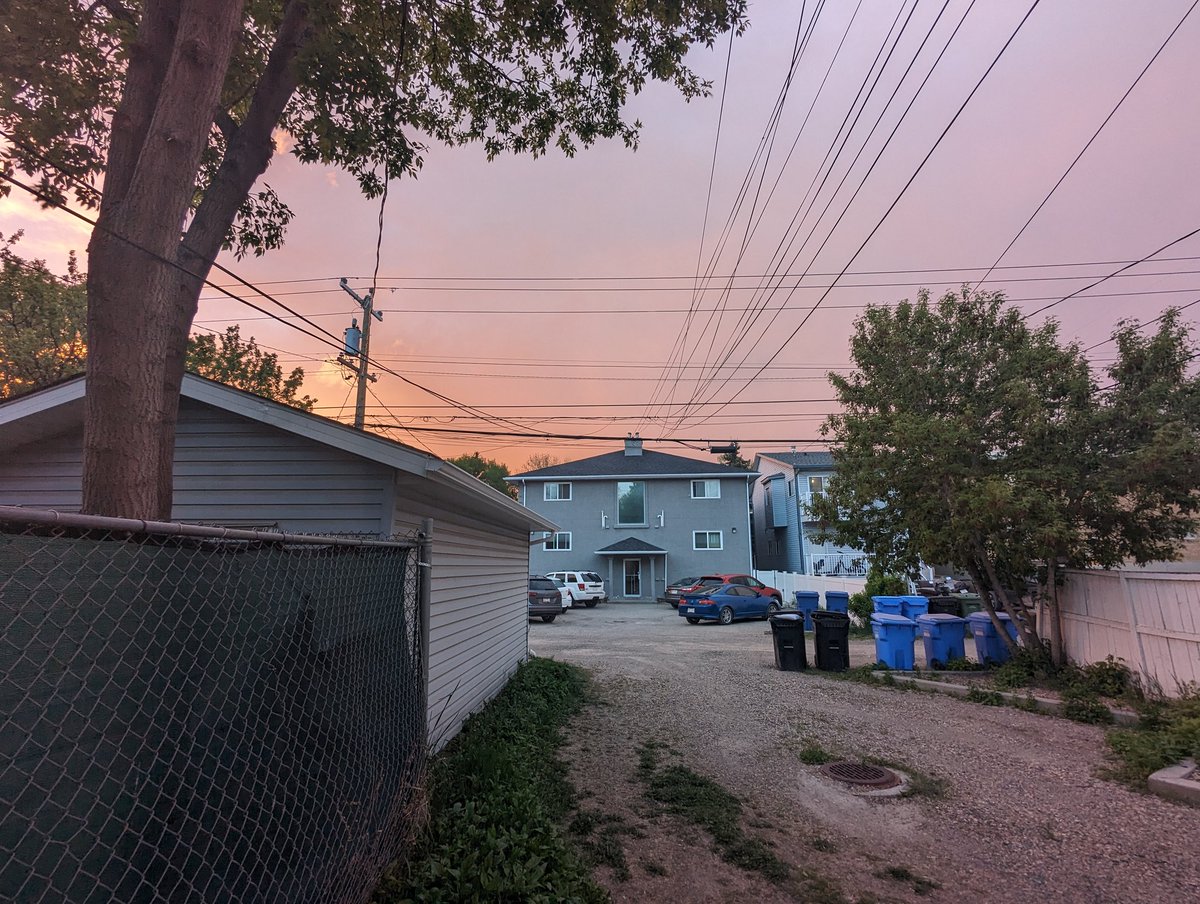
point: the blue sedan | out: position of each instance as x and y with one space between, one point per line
725 603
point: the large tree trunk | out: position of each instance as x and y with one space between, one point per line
143 293
1057 654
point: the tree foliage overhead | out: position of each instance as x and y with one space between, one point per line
43 321
367 85
490 472
176 102
971 438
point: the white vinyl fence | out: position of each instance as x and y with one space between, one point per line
789 582
1150 619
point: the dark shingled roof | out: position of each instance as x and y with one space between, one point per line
629 544
802 460
648 464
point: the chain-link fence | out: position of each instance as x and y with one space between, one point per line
197 714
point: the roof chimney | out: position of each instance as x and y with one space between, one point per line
633 444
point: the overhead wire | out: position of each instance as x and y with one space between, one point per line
995 61
1090 141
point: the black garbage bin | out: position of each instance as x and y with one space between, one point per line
831 640
945 605
787 630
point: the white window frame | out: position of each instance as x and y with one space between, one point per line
708 535
554 542
558 498
707 485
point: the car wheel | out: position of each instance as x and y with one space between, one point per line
591 604
772 608
693 621
726 615
549 618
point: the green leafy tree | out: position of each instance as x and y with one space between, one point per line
490 472
968 436
174 103
42 321
228 359
733 459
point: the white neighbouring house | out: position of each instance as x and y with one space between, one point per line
247 462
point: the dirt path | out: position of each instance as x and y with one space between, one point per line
1007 807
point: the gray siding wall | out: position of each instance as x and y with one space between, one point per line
228 470
777 535
593 505
479 625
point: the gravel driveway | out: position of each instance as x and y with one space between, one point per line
1010 808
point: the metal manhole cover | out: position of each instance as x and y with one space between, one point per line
861 774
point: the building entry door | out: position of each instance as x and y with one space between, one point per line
633 577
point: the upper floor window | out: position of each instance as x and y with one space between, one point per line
557 492
560 541
631 502
816 486
706 489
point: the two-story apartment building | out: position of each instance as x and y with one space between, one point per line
640 518
784 528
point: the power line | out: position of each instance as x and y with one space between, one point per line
903 190
597 438
1095 135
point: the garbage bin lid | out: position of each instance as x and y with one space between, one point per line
886 618
828 615
983 616
943 618
786 617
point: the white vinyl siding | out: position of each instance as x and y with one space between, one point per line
707 539
560 542
557 492
706 489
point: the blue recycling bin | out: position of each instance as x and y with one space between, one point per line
990 647
837 601
808 601
944 636
894 637
914 606
888 605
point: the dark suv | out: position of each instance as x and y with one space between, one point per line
545 599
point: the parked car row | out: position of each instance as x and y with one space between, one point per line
687 586
551 595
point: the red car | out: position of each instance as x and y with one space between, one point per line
742 580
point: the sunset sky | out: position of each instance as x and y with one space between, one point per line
552 293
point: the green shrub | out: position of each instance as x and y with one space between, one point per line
497 794
1109 678
1082 705
986 697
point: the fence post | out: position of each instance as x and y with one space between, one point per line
1133 622
424 605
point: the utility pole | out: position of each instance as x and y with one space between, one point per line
360 404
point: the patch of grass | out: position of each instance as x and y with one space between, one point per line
1082 705
985 696
1169 731
493 831
813 754
606 850
920 783
702 802
652 867
919 884
822 844
962 665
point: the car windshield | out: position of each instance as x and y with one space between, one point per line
591 577
557 583
542 584
685 582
